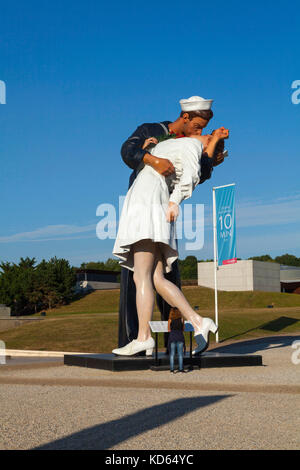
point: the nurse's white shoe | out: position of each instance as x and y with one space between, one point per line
136 347
202 335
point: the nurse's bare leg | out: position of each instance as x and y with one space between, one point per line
144 257
172 294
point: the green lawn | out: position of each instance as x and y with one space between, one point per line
90 324
91 333
107 301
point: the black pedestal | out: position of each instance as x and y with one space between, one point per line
119 363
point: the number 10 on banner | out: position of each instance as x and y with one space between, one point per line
225 221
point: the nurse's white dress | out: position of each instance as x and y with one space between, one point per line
144 210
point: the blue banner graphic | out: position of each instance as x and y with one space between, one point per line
225 224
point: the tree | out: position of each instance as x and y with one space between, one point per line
110 265
288 260
262 258
26 288
16 284
56 280
188 267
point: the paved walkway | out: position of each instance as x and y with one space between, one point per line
45 404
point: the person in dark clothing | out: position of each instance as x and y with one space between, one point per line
134 155
176 338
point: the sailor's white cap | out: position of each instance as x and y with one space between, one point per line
195 103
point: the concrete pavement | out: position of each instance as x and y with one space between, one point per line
49 405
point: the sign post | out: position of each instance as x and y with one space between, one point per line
215 263
224 233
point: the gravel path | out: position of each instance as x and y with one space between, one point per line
60 407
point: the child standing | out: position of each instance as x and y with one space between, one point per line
176 338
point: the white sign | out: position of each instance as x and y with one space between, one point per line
159 326
162 326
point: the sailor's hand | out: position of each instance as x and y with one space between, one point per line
162 165
172 212
151 140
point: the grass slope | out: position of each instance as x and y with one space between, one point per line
107 301
90 324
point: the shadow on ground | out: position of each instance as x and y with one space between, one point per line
107 435
275 325
255 345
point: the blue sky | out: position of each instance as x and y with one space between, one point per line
81 76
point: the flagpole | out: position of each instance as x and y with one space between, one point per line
215 262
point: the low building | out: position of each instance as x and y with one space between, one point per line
245 275
290 279
96 279
5 311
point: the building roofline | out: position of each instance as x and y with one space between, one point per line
96 271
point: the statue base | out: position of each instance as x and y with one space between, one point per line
161 362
